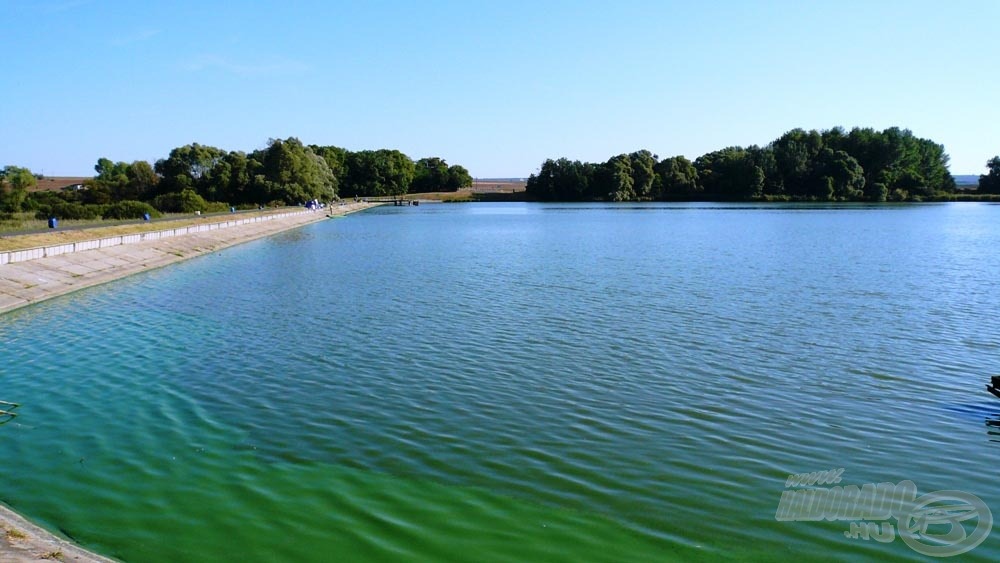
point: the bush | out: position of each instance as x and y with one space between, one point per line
899 195
187 201
129 209
877 192
216 207
69 211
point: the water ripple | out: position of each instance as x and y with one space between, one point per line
539 383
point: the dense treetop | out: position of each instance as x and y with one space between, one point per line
288 171
831 165
990 183
14 184
202 178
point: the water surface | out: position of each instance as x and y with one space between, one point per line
513 382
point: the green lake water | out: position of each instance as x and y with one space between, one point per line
514 382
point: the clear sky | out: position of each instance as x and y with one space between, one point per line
495 86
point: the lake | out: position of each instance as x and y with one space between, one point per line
516 382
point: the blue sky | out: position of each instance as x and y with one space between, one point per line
495 86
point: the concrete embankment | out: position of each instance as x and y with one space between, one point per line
33 275
23 542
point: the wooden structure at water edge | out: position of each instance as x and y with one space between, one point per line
397 201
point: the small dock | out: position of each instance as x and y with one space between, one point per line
396 201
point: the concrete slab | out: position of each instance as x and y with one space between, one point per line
8 302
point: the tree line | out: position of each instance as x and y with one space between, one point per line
832 165
990 183
197 177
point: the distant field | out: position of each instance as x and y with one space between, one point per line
498 186
56 183
482 190
501 189
966 180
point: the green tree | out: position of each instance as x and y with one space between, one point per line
185 167
837 176
863 164
564 180
877 192
336 159
873 151
108 170
795 153
142 180
96 192
643 165
294 173
458 178
232 180
433 174
430 175
14 185
615 180
399 171
729 174
378 173
676 178
364 176
898 159
112 180
990 183
120 181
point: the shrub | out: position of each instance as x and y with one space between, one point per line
899 195
187 201
69 211
129 209
216 207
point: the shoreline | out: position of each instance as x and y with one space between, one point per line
32 281
22 542
25 283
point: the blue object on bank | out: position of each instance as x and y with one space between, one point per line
53 222
232 210
145 216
